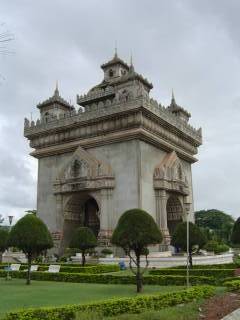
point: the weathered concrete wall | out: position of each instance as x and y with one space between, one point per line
150 157
123 158
48 169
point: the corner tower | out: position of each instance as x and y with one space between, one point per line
119 150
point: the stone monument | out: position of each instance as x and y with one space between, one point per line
119 150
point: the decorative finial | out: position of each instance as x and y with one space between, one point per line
173 98
131 64
115 50
131 60
56 92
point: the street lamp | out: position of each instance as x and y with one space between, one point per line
10 219
187 208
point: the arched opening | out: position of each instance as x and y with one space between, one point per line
91 219
174 213
80 210
111 73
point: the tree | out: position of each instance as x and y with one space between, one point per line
218 222
83 239
136 230
196 238
31 236
235 236
3 241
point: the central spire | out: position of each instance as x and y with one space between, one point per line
115 50
56 92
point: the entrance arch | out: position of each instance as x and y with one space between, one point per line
80 210
174 213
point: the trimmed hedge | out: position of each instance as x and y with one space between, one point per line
232 285
111 278
216 273
77 269
115 306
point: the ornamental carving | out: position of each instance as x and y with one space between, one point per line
170 175
83 172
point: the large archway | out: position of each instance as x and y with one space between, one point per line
174 213
80 210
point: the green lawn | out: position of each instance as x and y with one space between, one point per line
16 295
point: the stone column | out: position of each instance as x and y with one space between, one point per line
58 233
161 214
106 217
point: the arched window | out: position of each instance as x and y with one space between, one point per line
111 73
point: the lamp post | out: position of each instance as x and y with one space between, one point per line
10 219
187 208
187 251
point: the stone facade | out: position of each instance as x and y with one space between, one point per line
119 150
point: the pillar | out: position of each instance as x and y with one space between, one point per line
106 217
161 214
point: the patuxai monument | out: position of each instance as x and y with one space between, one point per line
119 150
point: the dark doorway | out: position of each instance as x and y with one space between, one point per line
91 219
174 213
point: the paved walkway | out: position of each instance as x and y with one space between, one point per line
235 315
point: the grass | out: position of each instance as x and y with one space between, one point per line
16 295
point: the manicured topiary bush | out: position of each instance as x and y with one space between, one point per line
196 238
3 241
216 247
136 230
235 236
83 239
31 236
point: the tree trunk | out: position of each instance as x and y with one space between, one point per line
138 275
83 258
190 258
1 255
29 268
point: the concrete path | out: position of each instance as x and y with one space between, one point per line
235 315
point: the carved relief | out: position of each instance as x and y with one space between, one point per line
169 175
83 172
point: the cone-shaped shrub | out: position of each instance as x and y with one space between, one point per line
30 235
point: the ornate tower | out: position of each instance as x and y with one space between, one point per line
120 150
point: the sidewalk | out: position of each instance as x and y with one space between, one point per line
235 315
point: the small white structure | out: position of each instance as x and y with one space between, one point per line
15 267
54 268
167 262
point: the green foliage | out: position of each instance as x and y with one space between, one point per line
3 239
135 230
232 285
196 237
30 235
115 306
218 274
218 222
107 251
164 280
235 236
83 239
214 246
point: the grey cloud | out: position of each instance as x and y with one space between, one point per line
191 46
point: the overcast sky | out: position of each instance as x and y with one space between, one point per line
190 46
